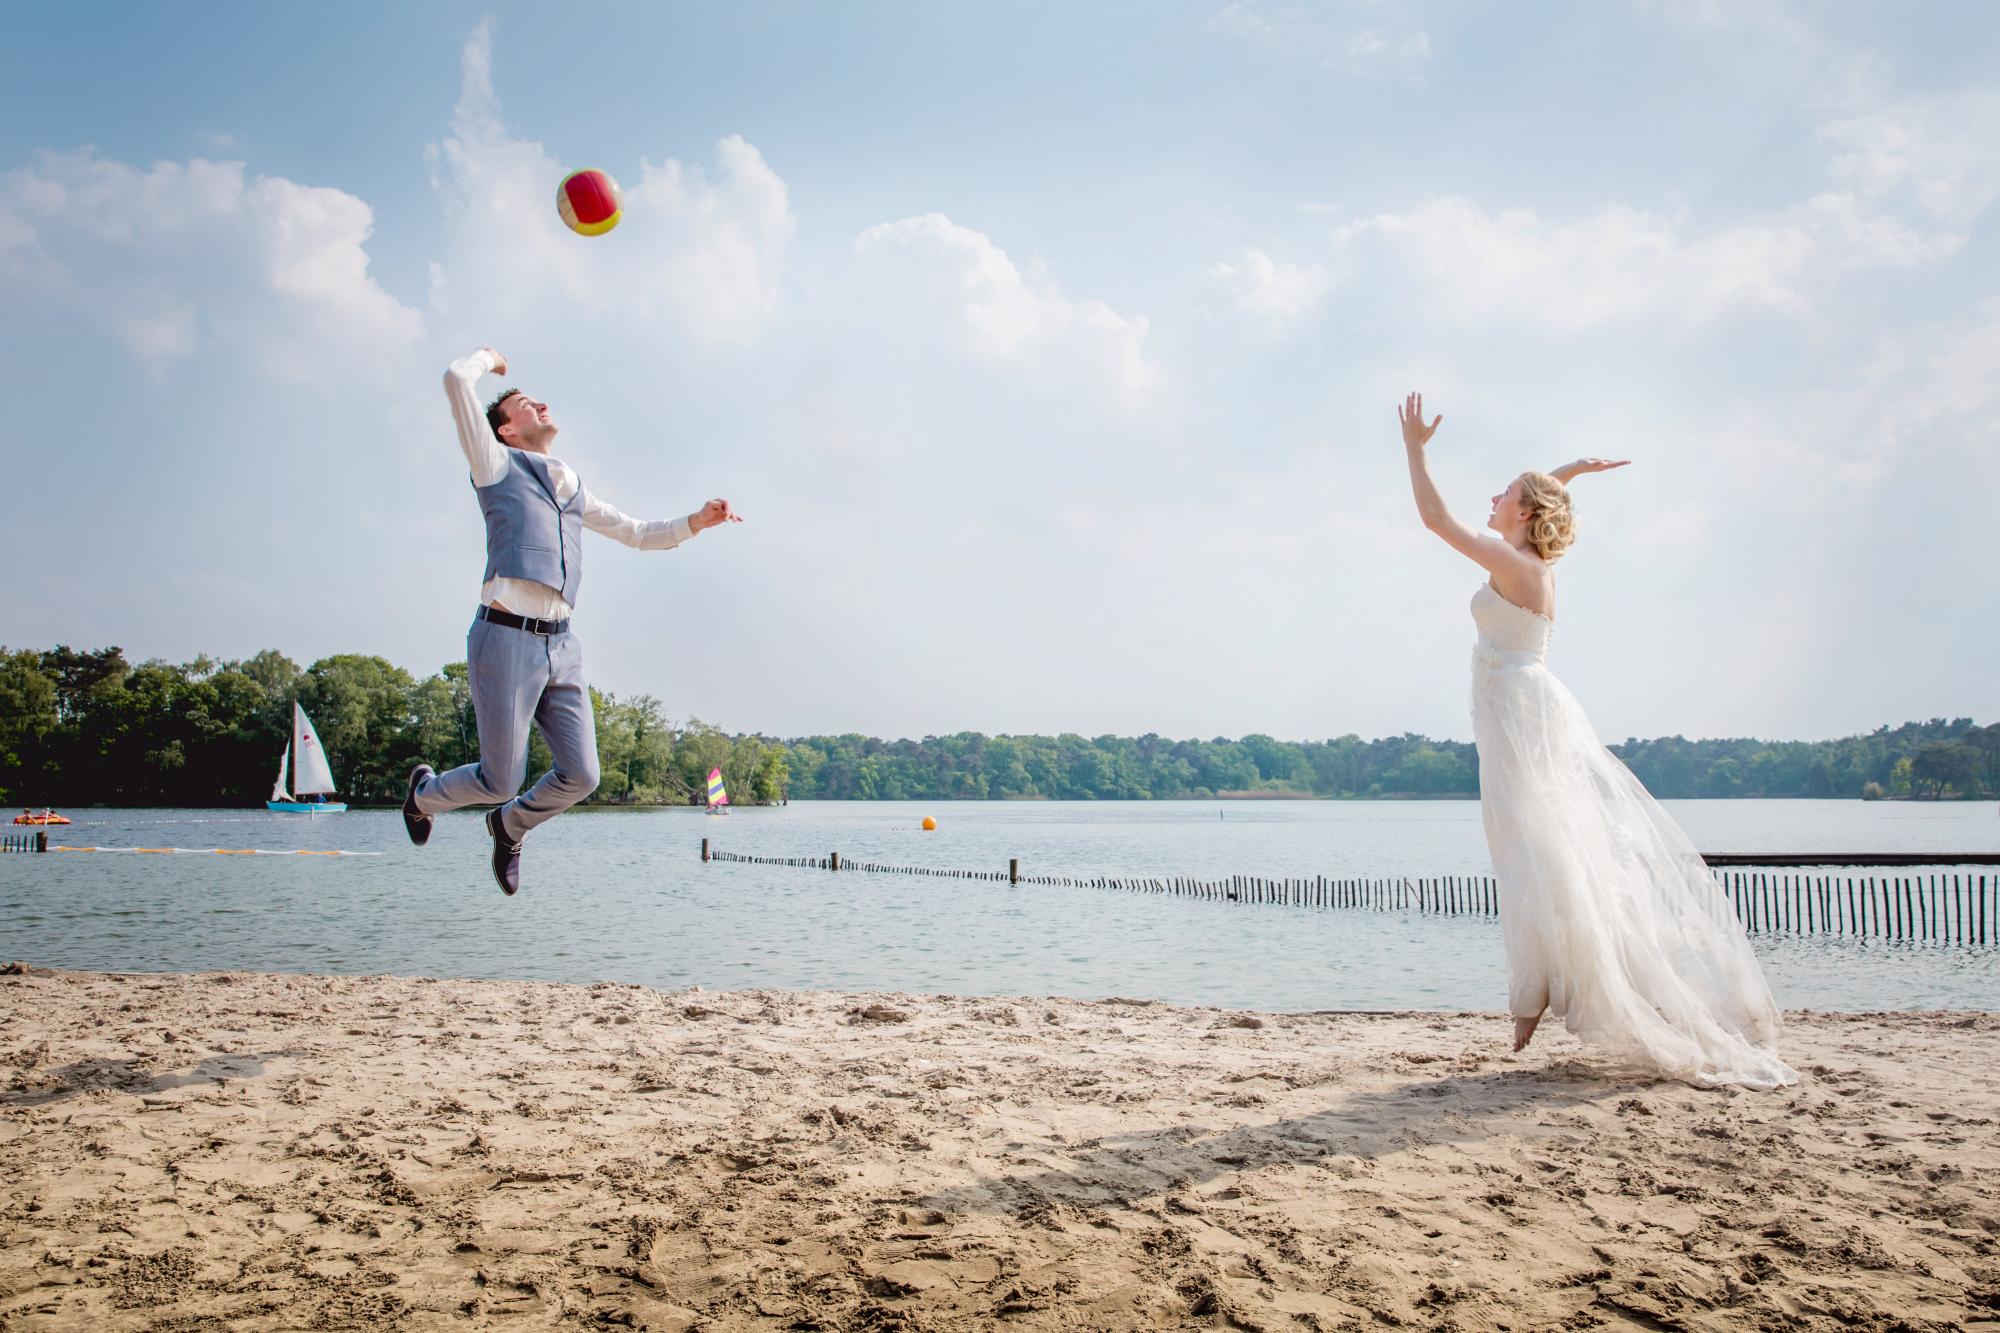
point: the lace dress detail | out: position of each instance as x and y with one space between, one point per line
1612 921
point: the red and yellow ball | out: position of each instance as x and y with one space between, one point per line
590 202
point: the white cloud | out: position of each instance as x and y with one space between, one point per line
1927 398
704 252
1617 263
1284 294
1906 177
1244 18
171 257
1370 54
1940 155
1003 315
1299 32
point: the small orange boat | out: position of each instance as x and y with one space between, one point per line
46 817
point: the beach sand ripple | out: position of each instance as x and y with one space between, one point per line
253 1151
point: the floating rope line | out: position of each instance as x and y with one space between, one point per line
210 851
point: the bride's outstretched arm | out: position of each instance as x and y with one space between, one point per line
1492 555
1583 465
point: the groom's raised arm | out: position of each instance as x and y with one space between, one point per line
483 450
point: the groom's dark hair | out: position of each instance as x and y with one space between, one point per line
496 414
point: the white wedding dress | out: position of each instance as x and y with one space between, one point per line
1611 919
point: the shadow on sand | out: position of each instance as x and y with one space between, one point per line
1124 1169
128 1076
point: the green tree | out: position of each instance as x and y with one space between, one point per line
361 707
773 776
28 718
1948 766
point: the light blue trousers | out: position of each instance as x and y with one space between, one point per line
520 678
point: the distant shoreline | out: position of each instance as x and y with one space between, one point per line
599 807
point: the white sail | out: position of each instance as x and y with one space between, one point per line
312 774
278 792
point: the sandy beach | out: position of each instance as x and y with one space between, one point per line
255 1151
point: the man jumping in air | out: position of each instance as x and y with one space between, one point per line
524 664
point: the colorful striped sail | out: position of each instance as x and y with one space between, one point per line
717 793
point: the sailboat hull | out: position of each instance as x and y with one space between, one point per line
306 807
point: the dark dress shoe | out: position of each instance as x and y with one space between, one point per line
416 821
506 856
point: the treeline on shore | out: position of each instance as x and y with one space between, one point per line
91 728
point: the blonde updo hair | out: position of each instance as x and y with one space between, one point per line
1551 521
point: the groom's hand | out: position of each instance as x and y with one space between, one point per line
499 360
713 514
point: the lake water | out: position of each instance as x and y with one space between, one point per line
623 896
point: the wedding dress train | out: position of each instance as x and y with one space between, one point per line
1611 919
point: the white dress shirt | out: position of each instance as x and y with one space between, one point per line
488 457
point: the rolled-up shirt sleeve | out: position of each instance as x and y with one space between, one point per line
656 534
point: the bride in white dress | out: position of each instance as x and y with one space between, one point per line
1611 919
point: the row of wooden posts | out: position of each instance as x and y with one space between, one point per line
1945 906
38 841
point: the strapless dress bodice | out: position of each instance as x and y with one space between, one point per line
1509 634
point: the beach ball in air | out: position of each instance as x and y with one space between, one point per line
590 202
930 824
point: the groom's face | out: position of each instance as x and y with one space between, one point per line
528 425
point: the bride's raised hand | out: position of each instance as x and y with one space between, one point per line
1411 414
1570 471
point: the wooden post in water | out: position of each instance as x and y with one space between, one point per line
41 840
833 860
1013 870
704 851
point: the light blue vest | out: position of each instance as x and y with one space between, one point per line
528 535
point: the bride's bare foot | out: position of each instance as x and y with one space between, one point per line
1524 1031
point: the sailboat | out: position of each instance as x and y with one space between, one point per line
312 778
718 795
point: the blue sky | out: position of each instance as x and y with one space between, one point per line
1051 351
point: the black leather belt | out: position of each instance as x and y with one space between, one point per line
512 621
